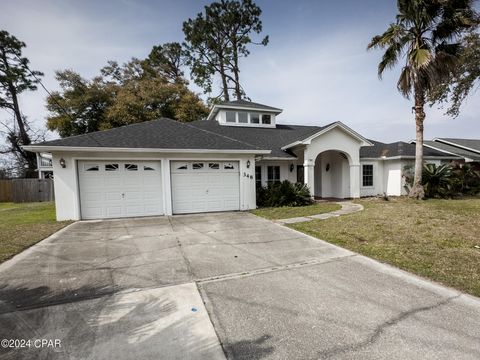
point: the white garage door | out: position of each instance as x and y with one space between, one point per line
203 186
112 189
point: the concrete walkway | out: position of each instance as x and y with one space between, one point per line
348 207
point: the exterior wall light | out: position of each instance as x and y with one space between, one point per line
248 164
62 163
292 167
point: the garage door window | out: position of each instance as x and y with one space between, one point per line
111 167
214 166
197 166
183 166
91 167
148 168
131 167
228 166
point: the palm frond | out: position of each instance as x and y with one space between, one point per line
404 84
392 35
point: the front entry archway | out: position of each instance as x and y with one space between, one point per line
332 175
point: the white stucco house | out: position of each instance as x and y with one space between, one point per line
165 167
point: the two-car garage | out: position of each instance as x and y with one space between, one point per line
113 189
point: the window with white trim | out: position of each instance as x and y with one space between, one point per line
131 167
273 174
111 167
266 119
258 176
230 116
367 175
242 117
91 167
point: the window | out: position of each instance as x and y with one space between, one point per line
91 167
214 166
197 166
131 167
273 174
230 116
243 117
228 166
367 175
266 119
148 168
300 174
111 167
254 118
258 176
182 167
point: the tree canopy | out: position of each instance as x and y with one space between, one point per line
137 91
428 36
15 78
464 78
217 39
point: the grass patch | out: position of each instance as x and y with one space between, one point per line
22 225
437 239
286 212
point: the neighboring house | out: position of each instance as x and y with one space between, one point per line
44 166
388 163
167 167
466 149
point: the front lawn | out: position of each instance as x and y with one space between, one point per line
438 239
22 225
286 212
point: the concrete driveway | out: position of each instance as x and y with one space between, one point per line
141 288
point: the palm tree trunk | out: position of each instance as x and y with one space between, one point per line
417 190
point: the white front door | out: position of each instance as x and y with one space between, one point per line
204 186
112 189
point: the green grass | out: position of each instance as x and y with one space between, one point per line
286 212
22 225
437 239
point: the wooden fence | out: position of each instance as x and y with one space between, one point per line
26 190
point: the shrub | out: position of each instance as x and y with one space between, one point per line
445 180
283 193
438 181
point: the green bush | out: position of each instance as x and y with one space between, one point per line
445 180
283 193
438 181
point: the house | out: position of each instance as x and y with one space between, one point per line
468 150
44 165
165 167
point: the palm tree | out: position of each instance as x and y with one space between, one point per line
427 35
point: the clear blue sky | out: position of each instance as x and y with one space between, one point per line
315 67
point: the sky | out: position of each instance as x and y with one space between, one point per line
315 67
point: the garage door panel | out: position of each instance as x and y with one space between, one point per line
109 190
213 186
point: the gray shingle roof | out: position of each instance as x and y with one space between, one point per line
250 104
473 144
398 148
271 138
157 134
453 149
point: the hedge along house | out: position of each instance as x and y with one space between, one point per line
165 167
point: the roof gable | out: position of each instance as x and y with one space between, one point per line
467 144
325 129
